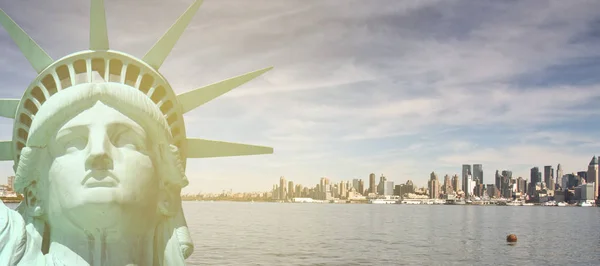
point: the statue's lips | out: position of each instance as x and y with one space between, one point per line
100 178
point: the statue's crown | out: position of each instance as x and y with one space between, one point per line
100 64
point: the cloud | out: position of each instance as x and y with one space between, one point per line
404 90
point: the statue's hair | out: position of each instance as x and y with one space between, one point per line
67 104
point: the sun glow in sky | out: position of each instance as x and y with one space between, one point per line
399 88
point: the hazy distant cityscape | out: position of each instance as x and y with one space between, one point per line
546 186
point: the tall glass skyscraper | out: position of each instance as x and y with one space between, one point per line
478 173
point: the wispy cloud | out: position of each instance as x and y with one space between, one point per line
403 90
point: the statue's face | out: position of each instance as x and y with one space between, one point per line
101 168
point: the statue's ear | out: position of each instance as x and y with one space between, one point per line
168 199
32 200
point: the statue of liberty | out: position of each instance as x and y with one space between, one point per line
99 150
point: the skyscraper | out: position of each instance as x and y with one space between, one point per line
388 188
466 170
282 188
447 187
521 184
498 180
592 175
275 192
381 185
549 177
372 186
290 191
534 175
456 184
470 186
583 174
434 186
505 181
355 184
361 186
507 173
559 175
478 173
325 191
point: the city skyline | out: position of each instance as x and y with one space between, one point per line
556 173
357 89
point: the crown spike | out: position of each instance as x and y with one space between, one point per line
6 150
161 49
202 148
98 29
193 99
36 56
8 107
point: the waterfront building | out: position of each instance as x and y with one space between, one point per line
565 181
505 184
498 180
583 174
447 186
372 186
433 186
470 186
466 170
361 187
381 185
456 183
290 191
534 179
549 177
478 173
559 196
275 192
282 188
388 189
521 184
355 183
342 190
298 191
559 175
585 192
479 190
592 175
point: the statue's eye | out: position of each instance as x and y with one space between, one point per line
69 140
74 144
128 139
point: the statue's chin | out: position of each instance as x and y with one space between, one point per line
103 213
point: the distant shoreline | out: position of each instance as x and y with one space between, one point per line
363 202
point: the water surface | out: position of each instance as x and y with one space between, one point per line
228 233
240 233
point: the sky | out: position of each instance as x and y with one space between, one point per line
399 88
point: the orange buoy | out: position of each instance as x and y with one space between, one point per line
511 238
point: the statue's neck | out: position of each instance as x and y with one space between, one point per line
102 248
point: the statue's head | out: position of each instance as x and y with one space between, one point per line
108 153
100 156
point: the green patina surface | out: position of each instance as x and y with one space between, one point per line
100 160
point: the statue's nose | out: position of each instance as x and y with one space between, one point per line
99 157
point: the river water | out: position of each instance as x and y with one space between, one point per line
361 234
230 233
